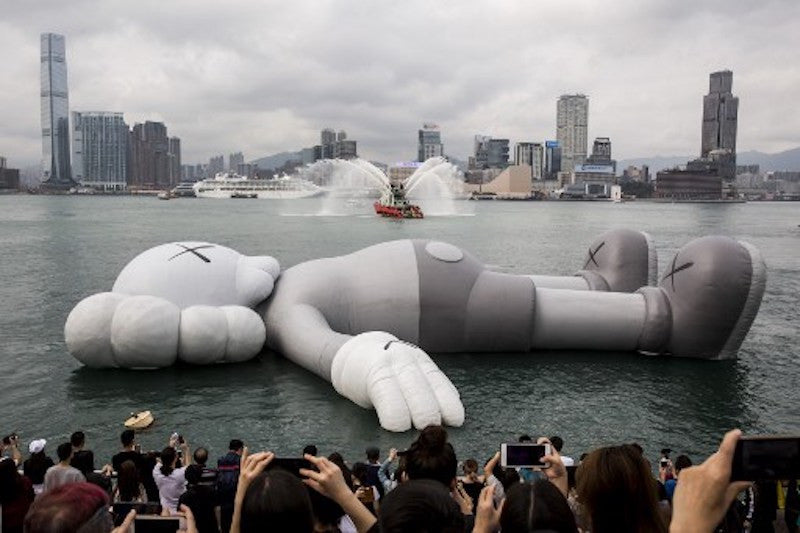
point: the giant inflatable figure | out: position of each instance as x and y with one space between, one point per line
365 321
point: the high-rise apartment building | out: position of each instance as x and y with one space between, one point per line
150 161
720 117
234 160
531 154
572 126
56 170
552 160
429 143
489 153
100 150
216 165
174 158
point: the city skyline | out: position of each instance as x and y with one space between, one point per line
269 79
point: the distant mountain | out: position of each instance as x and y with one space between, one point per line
788 160
272 162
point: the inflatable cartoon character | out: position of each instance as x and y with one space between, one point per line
365 321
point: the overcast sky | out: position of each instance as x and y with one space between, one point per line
264 77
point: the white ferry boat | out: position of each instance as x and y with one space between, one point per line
231 185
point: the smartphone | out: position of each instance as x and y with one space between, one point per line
766 457
291 464
524 455
120 510
156 524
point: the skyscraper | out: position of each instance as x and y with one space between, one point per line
174 158
720 117
531 154
552 160
150 155
429 142
55 112
100 150
572 125
234 160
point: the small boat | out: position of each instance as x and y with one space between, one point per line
164 195
393 204
141 420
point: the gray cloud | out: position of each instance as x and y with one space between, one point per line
264 77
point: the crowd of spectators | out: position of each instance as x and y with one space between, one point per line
610 489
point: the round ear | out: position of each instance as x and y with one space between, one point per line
87 330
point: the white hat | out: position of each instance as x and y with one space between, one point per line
37 445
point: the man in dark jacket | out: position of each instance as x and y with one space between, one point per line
227 481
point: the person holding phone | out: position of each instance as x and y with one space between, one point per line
171 481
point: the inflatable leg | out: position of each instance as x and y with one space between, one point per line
619 260
703 307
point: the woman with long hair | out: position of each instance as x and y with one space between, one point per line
618 493
129 488
16 496
171 481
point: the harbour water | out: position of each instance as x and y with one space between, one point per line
54 251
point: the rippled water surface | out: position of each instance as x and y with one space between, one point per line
54 251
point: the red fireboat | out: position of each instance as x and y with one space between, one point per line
393 204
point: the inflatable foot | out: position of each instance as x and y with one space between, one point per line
706 301
620 260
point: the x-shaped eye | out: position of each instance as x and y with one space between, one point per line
592 255
193 251
675 269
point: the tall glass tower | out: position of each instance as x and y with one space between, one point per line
55 111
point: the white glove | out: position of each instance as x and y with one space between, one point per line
115 330
397 379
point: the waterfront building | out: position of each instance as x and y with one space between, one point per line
402 170
234 160
345 149
150 162
634 173
599 166
489 153
514 182
174 156
216 165
552 160
188 173
56 168
720 117
327 141
9 177
689 184
572 126
531 154
429 143
100 150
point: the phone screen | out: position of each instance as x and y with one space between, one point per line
156 524
766 458
291 464
524 454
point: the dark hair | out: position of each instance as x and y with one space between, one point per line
618 492
83 460
681 462
77 439
193 473
373 453
278 501
310 450
525 438
361 473
168 457
128 481
201 456
432 457
557 442
235 445
470 466
337 459
536 506
70 507
64 450
127 437
421 505
508 478
327 512
10 481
